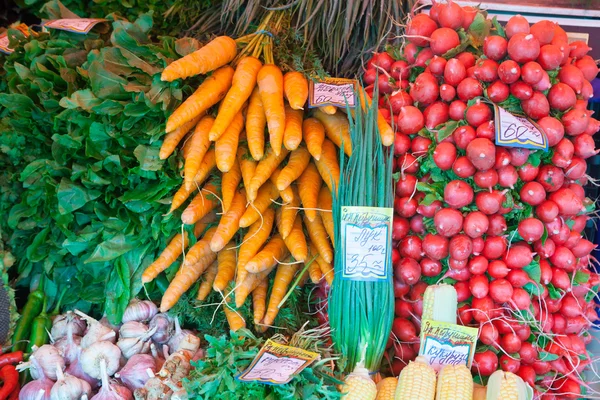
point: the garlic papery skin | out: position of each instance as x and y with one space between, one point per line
33 389
132 329
140 310
183 339
111 390
69 387
100 353
76 370
134 374
69 346
42 363
61 323
164 328
96 331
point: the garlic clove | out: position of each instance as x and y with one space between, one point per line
139 311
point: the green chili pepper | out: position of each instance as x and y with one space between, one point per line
33 307
40 327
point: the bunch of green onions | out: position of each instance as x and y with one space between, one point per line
361 312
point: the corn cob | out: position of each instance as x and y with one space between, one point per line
416 381
507 386
359 385
454 383
440 303
386 388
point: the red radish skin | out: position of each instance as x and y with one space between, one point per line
553 129
532 72
469 16
547 211
568 202
546 249
478 265
588 67
401 289
448 222
515 25
546 272
521 90
533 193
563 258
550 57
509 71
419 26
436 114
578 49
527 373
412 247
406 185
400 70
435 247
523 48
444 156
482 153
495 47
528 172
430 267
537 106
404 330
430 209
443 39
461 247
423 57
488 334
457 110
518 156
458 194
476 224
478 114
544 83
420 145
479 286
486 70
403 309
458 269
583 248
463 167
468 59
478 244
398 100
501 290
551 178
495 247
520 299
507 176
437 65
447 92
572 76
451 15
575 122
462 291
486 179
584 146
510 343
454 72
465 315
497 225
400 228
463 135
498 91
543 31
405 206
468 89
408 270
518 256
509 364
410 52
561 97
488 203
410 120
485 363
425 90
503 157
518 278
531 229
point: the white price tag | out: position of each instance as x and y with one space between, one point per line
517 131
332 92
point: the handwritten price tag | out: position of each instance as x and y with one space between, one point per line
332 92
277 364
447 344
77 25
366 241
516 131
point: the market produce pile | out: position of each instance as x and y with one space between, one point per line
503 225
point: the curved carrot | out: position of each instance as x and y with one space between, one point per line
296 242
209 93
203 203
234 319
270 87
326 269
385 130
166 257
266 194
314 271
263 171
328 109
247 286
230 222
256 120
172 139
326 205
207 165
247 168
229 184
200 249
207 282
274 251
297 163
286 194
292 135
318 237
328 165
226 267
200 226
242 84
259 301
214 54
286 215
283 277
337 129
227 144
183 280
295 88
254 239
309 184
313 132
199 145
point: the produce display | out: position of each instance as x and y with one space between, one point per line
215 216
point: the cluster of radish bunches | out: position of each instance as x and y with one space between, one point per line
504 225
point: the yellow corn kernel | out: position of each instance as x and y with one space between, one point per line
359 385
454 383
507 386
386 388
416 381
440 303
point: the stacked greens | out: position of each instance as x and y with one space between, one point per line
361 312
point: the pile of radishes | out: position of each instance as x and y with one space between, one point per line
503 225
146 357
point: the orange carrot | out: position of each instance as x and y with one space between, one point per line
198 147
247 168
269 256
270 87
314 271
318 237
207 282
326 269
263 171
254 239
295 88
325 205
328 109
226 267
385 130
230 222
166 258
216 53
234 318
201 225
203 203
172 139
227 144
209 93
242 84
286 215
229 184
309 184
313 132
296 242
328 165
283 277
256 120
250 282
257 208
296 165
183 280
286 194
200 249
207 165
337 129
259 301
292 135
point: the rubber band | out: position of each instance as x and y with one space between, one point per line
263 32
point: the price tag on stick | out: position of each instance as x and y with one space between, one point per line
332 92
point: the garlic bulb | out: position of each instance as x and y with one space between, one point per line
135 373
132 329
69 387
139 311
96 331
42 363
33 389
61 323
111 390
164 328
69 346
135 345
98 354
183 339
75 369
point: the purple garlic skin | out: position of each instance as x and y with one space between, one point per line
31 391
134 374
75 369
132 329
69 387
140 311
113 391
61 324
69 348
164 328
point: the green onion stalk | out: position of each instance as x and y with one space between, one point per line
361 312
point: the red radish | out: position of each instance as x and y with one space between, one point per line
482 153
458 193
551 178
528 353
400 228
567 201
463 167
578 49
411 246
531 229
403 309
436 114
518 256
468 89
563 258
501 290
420 145
561 97
406 185
437 65
485 363
458 268
543 31
533 193
370 76
584 146
523 48
537 106
560 279
547 211
593 126
553 129
494 47
544 83
430 210
478 244
478 114
425 90
410 52
478 265
476 224
531 72
400 70
454 72
527 373
507 176
509 71
518 278
498 91
435 246
510 364
423 57
430 267
486 70
410 120
528 172
463 135
515 25
468 59
521 90
545 250
572 76
443 39
462 291
588 67
521 299
405 206
486 130
457 110
497 225
479 286
461 247
465 315
570 307
419 29
575 121
444 156
408 270
550 57
401 289
503 157
546 272
488 334
565 149
580 221
486 179
518 156
448 222
451 15
488 203
469 16
404 330
587 90
495 247
447 92
510 342
385 84
398 100
583 248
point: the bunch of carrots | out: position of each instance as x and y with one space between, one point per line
264 172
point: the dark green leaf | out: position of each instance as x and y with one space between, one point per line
72 197
499 28
112 248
